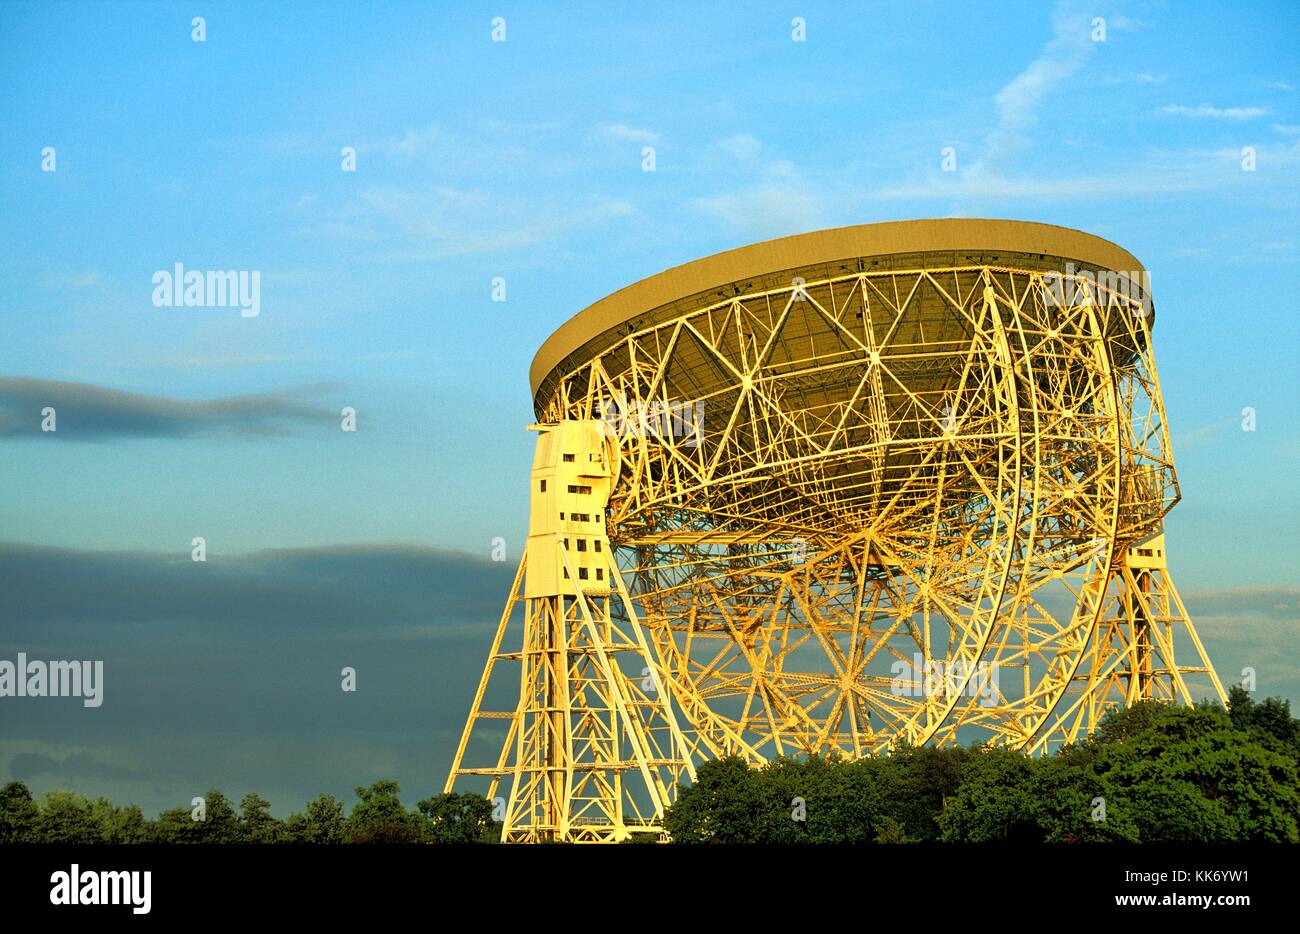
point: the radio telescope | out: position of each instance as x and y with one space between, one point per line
900 482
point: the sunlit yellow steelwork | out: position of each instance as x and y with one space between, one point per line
897 482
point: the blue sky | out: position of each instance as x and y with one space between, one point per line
522 159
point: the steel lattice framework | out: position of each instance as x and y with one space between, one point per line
903 482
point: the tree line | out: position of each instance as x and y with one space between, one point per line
1150 773
378 816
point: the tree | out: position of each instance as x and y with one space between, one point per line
256 824
918 782
18 814
1270 721
459 818
323 823
891 831
722 805
380 818
220 823
995 801
1192 776
65 818
114 824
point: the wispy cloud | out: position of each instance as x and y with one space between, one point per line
28 765
85 412
1155 172
407 144
621 131
1194 436
72 279
1214 113
442 221
779 202
743 147
1018 102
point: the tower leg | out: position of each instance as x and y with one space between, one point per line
593 752
1145 647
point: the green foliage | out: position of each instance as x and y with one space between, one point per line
1269 722
256 825
817 800
220 824
323 823
1150 773
18 814
379 817
723 805
1194 776
458 818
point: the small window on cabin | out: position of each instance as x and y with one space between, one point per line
582 573
543 486
600 574
568 458
582 544
597 544
566 543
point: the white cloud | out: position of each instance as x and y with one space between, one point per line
1018 102
437 222
1156 172
408 144
781 202
1217 113
742 146
71 279
629 134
